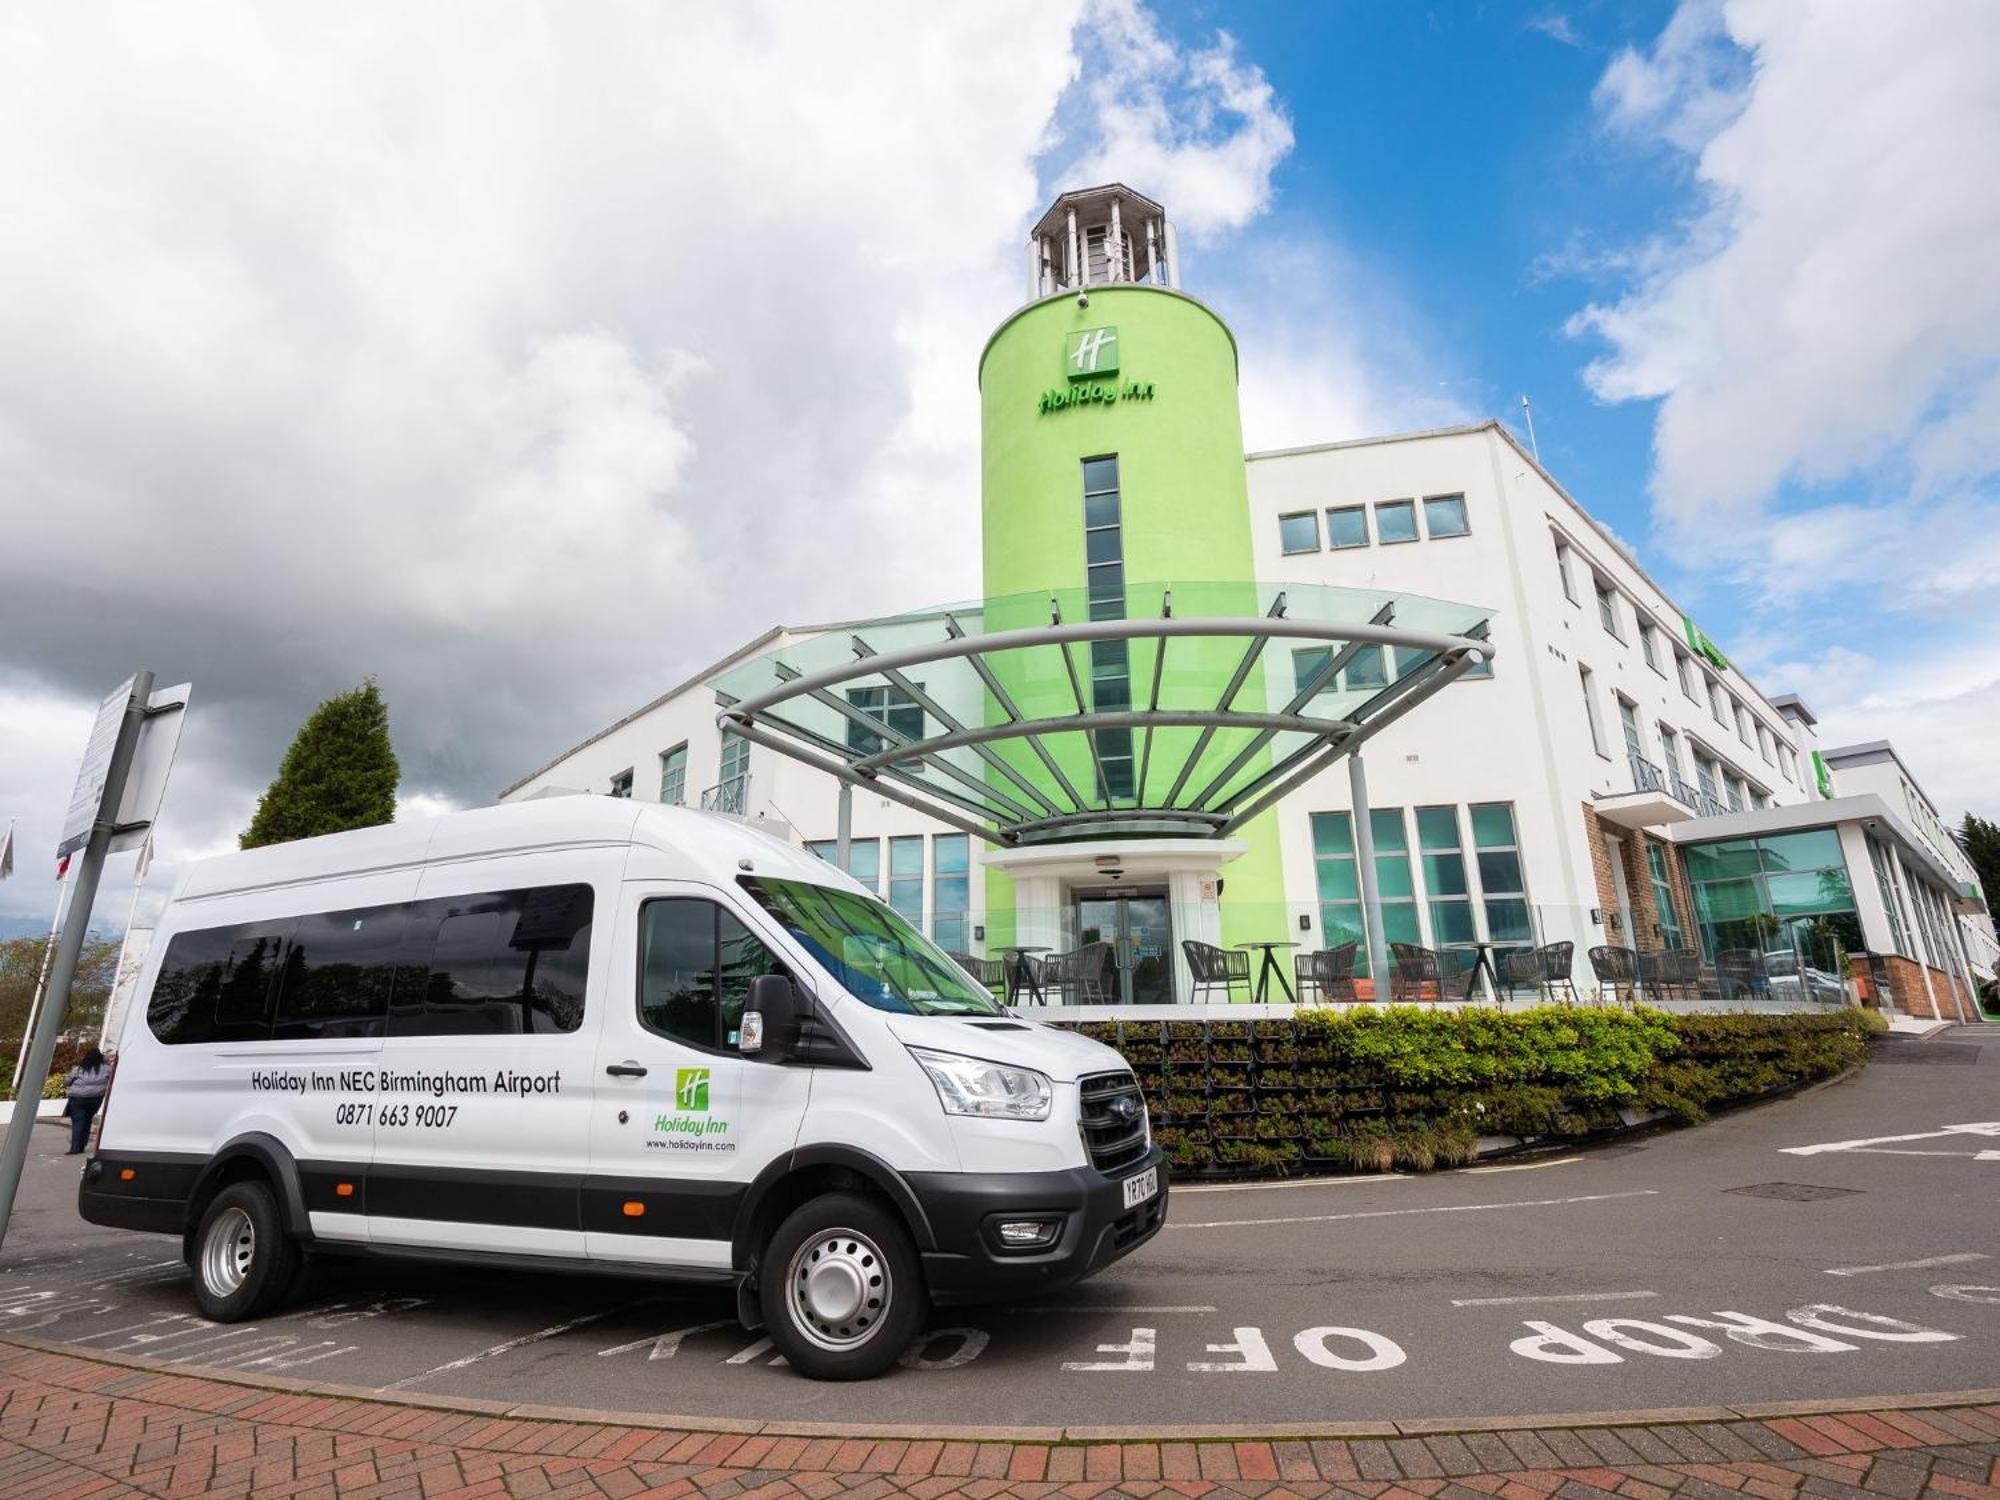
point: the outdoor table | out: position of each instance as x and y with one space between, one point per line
1482 959
1271 966
1020 975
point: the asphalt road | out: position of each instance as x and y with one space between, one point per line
1561 1285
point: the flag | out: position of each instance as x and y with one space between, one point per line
62 868
7 852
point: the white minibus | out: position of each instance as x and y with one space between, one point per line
587 1033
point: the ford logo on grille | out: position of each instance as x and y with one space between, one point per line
1124 1107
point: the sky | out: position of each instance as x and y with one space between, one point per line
530 357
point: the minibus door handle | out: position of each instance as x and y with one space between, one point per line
626 1070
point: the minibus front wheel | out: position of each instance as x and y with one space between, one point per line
842 1288
244 1264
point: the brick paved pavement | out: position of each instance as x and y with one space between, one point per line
72 1428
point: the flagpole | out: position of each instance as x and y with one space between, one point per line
63 889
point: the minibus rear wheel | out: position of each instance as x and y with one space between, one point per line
842 1288
244 1263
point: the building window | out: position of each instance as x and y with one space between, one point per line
1366 669
864 859
1684 669
1347 526
621 784
1110 663
1607 609
1758 796
1665 913
1396 521
1715 704
1341 919
1441 853
1649 644
1589 681
1732 786
1308 662
1563 569
1299 532
674 776
732 792
1742 722
951 890
1788 762
1628 723
1706 773
891 707
1785 898
1444 515
1503 887
906 877
1670 751
1764 743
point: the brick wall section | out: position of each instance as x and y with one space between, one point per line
1906 987
1638 884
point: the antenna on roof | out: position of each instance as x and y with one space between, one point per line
1529 412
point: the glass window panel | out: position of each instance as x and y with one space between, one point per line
864 862
1444 515
906 856
1333 833
1507 921
1492 824
1444 874
673 776
1728 900
1810 891
1367 669
1396 521
1100 510
952 853
1347 527
1500 870
1399 922
339 972
1100 474
677 970
1386 824
503 962
1299 533
1308 663
1437 828
1106 579
1101 546
1811 850
1451 922
1392 877
1338 880
1721 860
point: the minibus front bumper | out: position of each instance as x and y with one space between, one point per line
1093 1228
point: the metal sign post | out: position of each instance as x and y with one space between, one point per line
92 825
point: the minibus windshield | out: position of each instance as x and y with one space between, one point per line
877 956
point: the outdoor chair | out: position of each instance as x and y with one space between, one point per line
1739 973
1217 968
1327 973
1680 974
1617 973
1090 973
1545 969
1413 971
991 972
1055 975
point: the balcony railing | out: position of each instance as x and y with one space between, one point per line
731 796
1685 792
1646 777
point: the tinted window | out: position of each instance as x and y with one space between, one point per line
503 962
216 985
340 972
696 961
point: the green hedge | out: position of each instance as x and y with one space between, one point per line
1370 1090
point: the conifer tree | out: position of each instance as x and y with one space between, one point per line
1982 846
340 773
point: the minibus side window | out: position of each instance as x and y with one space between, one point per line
340 972
696 961
216 985
500 963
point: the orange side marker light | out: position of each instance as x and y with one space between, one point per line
343 1190
126 1174
635 1210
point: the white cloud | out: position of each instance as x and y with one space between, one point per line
526 358
1838 294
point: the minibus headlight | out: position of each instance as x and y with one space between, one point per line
994 1091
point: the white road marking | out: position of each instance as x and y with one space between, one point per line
1525 1166
667 1345
1392 1213
1552 1297
1911 1265
1989 1127
522 1342
1132 1307
746 1356
1305 1182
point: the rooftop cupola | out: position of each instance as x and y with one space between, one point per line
1099 235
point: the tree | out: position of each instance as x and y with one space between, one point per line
340 773
1982 846
20 970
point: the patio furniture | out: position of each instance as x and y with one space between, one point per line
1327 973
1670 974
1546 969
1024 971
1413 971
1617 973
1481 950
1217 968
1739 973
990 972
1270 968
1089 974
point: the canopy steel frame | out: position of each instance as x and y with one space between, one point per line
1000 816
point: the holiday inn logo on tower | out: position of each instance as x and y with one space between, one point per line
1091 351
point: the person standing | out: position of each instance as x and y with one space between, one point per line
86 1086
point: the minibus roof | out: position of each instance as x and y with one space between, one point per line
714 843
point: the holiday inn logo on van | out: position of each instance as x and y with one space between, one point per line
691 1089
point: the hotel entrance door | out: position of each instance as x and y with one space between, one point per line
1137 926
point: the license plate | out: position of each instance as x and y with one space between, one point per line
1139 1189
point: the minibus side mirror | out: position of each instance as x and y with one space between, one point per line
770 1023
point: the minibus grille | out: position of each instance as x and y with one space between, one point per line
1114 1130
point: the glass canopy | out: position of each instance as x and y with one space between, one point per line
1177 710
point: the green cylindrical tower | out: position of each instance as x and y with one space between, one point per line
1111 472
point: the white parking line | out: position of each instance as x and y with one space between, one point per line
1523 1166
1301 1182
1552 1297
1129 1307
519 1343
1963 1258
1392 1213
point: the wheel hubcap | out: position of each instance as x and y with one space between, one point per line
228 1252
839 1288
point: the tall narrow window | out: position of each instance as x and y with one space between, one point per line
1607 609
1670 751
951 890
906 877
1667 914
1628 724
674 775
1649 644
1503 886
1708 774
735 767
1110 664
1443 855
1892 895
1589 681
1565 562
1684 669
